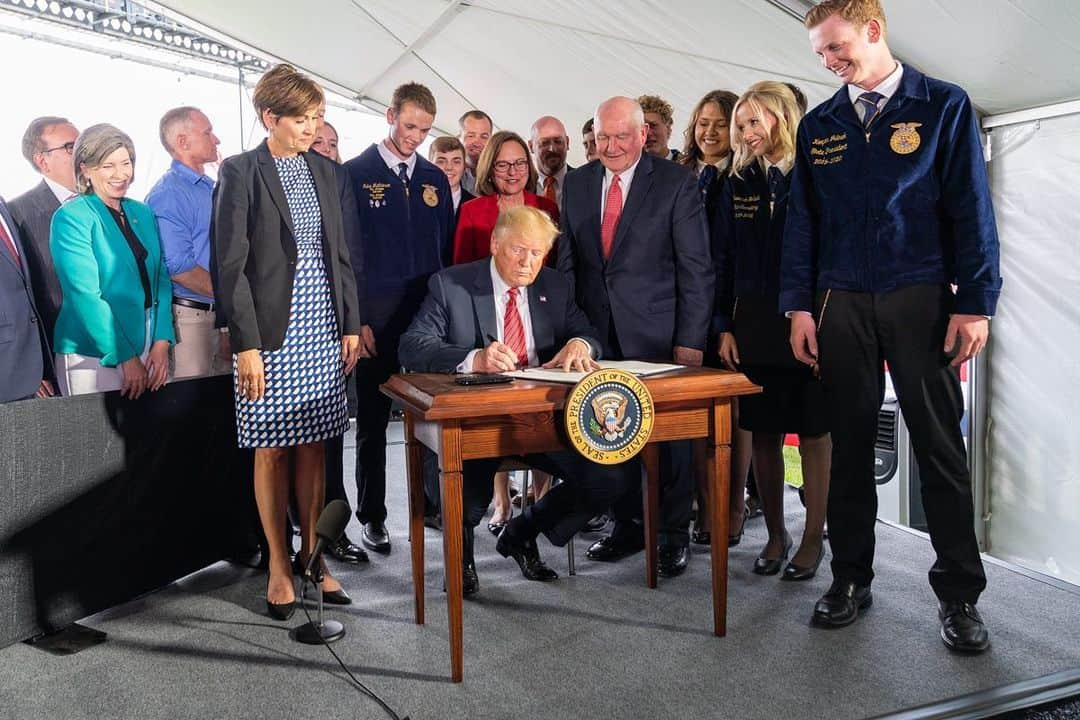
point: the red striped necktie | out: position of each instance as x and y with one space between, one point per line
514 330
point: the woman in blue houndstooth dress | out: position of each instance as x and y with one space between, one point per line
287 288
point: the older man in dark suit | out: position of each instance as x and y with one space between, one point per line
47 145
25 360
635 243
494 315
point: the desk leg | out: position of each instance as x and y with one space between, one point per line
415 475
719 476
450 480
650 493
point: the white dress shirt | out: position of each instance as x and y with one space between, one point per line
455 195
392 161
887 88
62 193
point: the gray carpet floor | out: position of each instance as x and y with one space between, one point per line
596 645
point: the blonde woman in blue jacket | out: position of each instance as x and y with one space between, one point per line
115 325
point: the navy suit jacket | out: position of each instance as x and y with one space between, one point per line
33 211
656 289
458 316
23 347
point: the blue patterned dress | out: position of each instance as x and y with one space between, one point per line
305 380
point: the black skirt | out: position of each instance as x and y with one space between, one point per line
792 401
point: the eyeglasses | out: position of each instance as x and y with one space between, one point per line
68 147
504 166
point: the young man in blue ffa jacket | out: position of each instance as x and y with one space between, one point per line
406 220
889 208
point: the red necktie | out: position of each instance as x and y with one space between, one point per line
513 330
9 244
549 189
612 210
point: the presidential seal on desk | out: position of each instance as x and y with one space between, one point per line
609 416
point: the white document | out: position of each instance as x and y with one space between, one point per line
636 367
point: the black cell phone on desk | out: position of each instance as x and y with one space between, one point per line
482 379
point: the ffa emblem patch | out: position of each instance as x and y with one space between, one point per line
431 196
609 416
906 139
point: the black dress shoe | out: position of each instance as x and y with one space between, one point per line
345 551
527 556
841 604
672 560
375 537
496 528
471 583
433 521
596 523
796 573
962 628
764 565
700 537
612 548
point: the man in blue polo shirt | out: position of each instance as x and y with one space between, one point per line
406 233
891 243
182 202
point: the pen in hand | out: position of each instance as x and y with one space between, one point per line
493 340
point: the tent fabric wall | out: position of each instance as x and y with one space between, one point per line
1034 369
520 59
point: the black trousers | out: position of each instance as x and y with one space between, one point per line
586 490
905 328
676 496
389 315
676 483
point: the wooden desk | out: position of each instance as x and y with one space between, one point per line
461 423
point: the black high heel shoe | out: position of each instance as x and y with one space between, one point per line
279 611
795 573
733 540
770 566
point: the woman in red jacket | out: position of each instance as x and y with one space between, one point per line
503 173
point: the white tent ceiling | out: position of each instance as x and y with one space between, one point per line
519 59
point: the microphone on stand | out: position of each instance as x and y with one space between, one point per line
328 530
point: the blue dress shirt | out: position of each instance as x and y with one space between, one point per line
182 201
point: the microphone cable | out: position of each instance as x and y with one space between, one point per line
364 689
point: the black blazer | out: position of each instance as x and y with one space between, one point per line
656 289
32 212
458 316
254 249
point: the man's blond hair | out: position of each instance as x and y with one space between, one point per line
526 221
856 12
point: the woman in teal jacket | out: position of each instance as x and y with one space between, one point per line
115 324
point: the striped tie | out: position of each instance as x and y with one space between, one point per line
870 102
513 330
